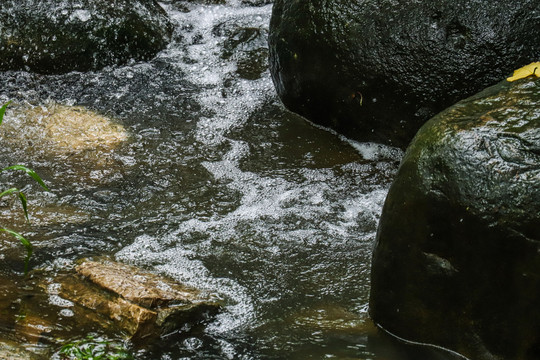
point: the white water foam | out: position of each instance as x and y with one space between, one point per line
178 263
209 70
316 202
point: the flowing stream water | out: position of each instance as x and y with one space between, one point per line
216 185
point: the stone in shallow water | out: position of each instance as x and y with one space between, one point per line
59 36
142 288
457 258
141 304
61 129
82 141
10 351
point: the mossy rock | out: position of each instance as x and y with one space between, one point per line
457 255
378 70
58 36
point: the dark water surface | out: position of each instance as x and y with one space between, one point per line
217 186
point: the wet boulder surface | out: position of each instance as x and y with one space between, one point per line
457 256
59 36
377 70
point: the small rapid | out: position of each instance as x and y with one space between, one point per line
216 185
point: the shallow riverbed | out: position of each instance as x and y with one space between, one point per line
214 184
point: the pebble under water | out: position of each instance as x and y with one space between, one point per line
215 185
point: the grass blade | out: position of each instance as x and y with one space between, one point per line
30 172
3 111
26 244
9 192
22 197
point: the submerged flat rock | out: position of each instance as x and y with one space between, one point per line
62 129
82 140
142 288
11 351
140 304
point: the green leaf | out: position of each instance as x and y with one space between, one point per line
26 243
3 111
9 191
30 172
22 197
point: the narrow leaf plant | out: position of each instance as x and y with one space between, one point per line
22 198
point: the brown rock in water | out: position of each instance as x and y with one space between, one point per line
32 328
11 351
140 304
63 130
142 288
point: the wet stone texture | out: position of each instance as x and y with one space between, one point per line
377 70
77 138
247 46
11 351
457 256
58 36
257 2
62 130
141 304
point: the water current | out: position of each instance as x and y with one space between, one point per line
215 185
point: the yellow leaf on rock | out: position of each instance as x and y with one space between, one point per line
527 70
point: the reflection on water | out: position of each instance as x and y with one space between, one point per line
215 185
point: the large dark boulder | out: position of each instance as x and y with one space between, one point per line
57 36
377 70
457 256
